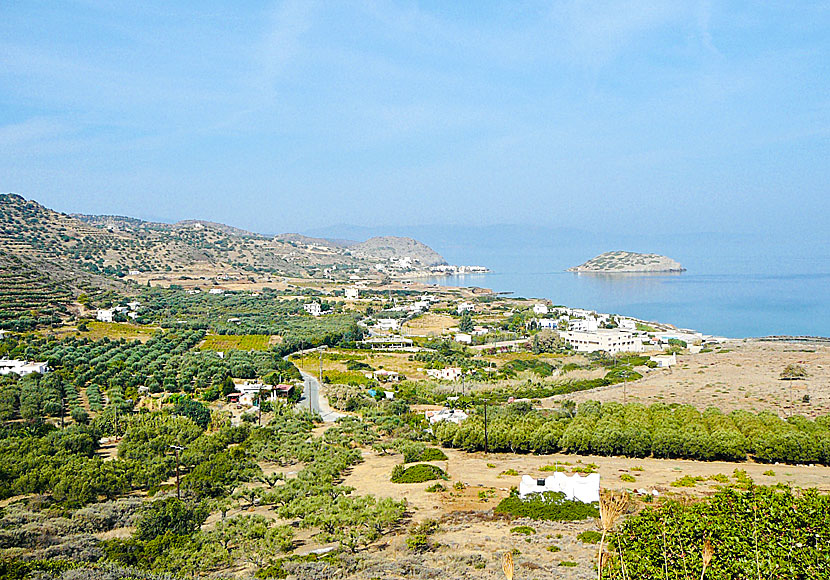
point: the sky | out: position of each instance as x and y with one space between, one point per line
293 116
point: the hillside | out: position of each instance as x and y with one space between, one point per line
622 262
117 246
390 247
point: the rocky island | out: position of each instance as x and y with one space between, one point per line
625 262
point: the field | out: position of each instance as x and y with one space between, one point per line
430 325
225 342
742 375
112 330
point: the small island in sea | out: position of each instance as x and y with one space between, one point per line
626 262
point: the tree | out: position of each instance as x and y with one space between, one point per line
196 411
170 515
466 323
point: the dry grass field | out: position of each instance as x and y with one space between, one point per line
430 325
742 375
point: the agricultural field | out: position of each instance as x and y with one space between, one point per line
430 325
225 342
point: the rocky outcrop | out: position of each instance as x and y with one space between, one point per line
622 262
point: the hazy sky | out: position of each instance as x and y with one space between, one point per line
295 115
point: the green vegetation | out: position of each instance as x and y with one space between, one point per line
628 478
762 532
417 473
546 506
525 530
589 537
228 342
634 430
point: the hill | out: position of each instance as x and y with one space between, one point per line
622 262
395 248
118 246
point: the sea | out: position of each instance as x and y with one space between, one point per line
737 290
735 285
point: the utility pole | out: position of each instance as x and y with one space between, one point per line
177 448
486 440
63 402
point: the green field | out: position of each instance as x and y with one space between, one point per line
225 342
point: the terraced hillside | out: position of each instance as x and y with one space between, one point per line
114 246
27 293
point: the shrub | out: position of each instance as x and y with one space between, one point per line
433 454
628 478
417 473
589 537
509 472
436 488
526 530
568 564
687 481
546 506
553 549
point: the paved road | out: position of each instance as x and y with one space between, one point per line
312 401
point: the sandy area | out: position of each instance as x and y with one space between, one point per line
742 375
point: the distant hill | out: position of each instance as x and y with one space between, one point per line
622 262
390 247
102 249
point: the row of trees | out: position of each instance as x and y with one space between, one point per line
635 430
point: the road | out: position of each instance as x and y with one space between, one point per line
313 402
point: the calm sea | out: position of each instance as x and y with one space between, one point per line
734 287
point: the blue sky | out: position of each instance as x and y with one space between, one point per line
289 116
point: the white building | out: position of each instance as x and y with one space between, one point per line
463 338
583 325
550 323
196 291
352 293
133 305
105 315
2 334
447 374
388 324
452 415
540 309
664 361
216 291
627 323
465 307
22 367
575 487
383 376
313 308
611 341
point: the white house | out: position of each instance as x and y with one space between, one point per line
352 293
383 376
22 367
575 487
463 338
216 291
452 415
583 325
313 308
549 323
540 309
105 315
664 361
627 323
465 307
611 341
133 305
388 324
447 374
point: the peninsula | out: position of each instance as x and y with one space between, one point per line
625 262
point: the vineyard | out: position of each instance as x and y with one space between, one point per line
227 342
756 532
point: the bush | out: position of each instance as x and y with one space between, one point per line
589 537
549 505
436 488
628 478
417 473
526 530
